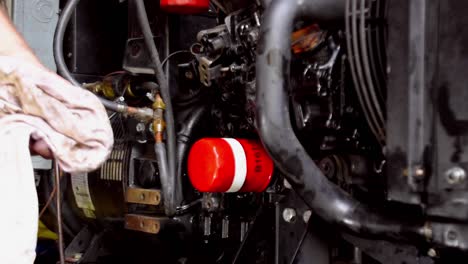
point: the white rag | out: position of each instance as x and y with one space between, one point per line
39 105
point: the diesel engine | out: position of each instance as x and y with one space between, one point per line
269 131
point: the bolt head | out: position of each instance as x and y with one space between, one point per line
451 238
432 253
455 175
289 215
189 75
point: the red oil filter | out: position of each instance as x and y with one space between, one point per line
185 6
229 165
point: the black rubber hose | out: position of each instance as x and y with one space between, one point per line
184 139
164 87
62 69
273 70
167 184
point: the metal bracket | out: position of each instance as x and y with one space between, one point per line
143 196
142 223
293 232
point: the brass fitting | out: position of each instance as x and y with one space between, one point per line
158 103
101 88
158 119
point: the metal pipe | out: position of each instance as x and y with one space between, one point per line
274 125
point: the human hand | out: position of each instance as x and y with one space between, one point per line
66 120
36 147
39 147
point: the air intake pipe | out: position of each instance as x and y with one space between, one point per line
274 124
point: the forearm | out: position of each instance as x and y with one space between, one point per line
12 43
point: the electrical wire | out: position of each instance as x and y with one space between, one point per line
164 88
59 213
237 256
49 201
186 207
173 54
301 241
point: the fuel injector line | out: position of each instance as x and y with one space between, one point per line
274 125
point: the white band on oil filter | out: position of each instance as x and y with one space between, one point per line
240 164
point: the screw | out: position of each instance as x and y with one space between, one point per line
289 215
189 75
432 253
142 197
306 216
455 175
234 67
451 235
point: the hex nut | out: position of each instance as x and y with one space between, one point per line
455 175
289 215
